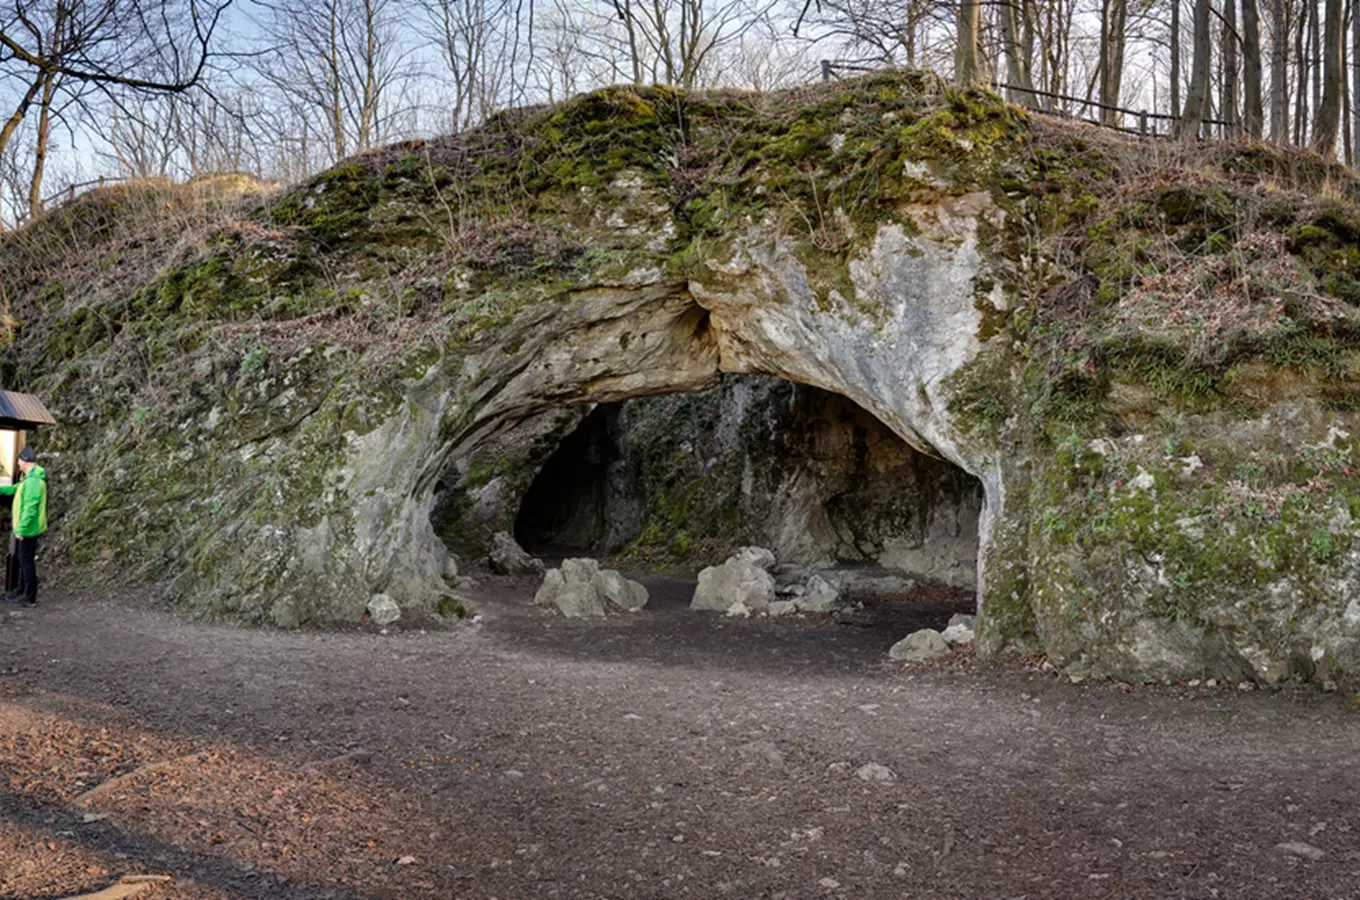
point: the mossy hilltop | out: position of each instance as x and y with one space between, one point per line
260 392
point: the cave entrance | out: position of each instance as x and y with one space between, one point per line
566 509
677 482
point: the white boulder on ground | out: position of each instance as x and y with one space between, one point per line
743 579
451 569
581 589
383 610
919 646
509 558
819 596
756 556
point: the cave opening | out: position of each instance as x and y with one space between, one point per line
679 481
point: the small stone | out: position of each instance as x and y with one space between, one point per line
1329 687
964 620
91 818
383 610
678 839
919 646
829 883
782 608
1211 683
1298 848
1246 686
738 610
838 768
875 773
407 861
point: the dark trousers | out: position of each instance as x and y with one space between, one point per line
27 551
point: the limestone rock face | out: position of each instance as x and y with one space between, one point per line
737 581
581 589
508 558
1147 515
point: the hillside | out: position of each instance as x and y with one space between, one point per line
1147 354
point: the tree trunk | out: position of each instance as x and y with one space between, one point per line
1301 87
1253 117
1315 51
1355 79
35 204
966 69
1113 17
1228 103
1328 121
1197 95
1176 58
1279 62
1017 64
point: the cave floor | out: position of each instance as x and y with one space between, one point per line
666 754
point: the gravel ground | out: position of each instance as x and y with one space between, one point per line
665 754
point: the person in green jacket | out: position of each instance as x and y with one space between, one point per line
30 524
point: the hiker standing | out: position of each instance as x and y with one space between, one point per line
30 523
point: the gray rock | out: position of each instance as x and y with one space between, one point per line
1299 848
957 634
579 571
756 556
722 587
967 621
581 589
782 608
875 773
619 591
918 646
451 569
509 558
553 585
383 610
821 596
579 601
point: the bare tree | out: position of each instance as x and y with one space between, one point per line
1279 66
79 52
1328 122
1114 16
474 47
1253 116
1197 93
344 62
967 69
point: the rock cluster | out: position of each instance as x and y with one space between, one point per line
744 585
581 589
929 643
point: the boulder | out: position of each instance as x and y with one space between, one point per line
383 610
553 584
509 558
756 556
820 596
782 608
451 569
580 601
619 591
735 581
919 646
581 589
957 634
967 621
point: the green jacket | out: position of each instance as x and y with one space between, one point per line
30 503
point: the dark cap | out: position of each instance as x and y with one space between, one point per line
27 455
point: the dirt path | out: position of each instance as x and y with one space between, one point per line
668 754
